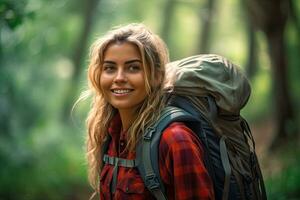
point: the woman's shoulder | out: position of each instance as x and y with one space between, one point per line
178 139
178 132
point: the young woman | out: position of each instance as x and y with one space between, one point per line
126 75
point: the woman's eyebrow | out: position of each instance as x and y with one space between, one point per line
109 62
132 61
127 62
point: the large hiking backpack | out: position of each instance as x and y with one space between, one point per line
206 92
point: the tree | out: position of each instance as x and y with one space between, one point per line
206 18
271 17
252 60
78 55
167 22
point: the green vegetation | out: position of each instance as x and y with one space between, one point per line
286 185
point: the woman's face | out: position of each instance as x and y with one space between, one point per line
122 77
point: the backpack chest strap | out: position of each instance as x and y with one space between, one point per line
116 162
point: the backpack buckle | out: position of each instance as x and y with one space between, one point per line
151 181
149 132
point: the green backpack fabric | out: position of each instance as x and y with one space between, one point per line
206 92
209 74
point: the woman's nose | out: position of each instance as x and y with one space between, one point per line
120 76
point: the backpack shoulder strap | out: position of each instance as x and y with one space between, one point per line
105 146
147 149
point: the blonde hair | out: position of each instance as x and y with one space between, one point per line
154 58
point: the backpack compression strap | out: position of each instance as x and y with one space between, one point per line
147 149
262 190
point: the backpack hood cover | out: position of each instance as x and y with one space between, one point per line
209 74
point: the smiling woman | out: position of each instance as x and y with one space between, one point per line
126 78
122 80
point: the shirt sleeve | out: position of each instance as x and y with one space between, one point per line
182 166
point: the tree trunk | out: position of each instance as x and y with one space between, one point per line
167 20
283 112
251 66
206 18
271 17
252 62
78 55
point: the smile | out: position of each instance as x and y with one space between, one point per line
121 91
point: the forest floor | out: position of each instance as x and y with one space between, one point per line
263 136
270 161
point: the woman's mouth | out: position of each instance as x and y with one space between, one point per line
121 91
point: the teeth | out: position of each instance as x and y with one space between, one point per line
121 91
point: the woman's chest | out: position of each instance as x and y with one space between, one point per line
118 181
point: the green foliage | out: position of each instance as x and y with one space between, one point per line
40 156
286 185
46 163
12 13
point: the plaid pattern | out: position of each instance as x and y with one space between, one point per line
181 167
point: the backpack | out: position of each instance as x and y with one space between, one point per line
206 92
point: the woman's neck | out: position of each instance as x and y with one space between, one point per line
127 118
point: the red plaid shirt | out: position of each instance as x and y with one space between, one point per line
181 167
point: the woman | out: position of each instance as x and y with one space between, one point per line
126 75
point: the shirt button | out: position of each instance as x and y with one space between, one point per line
122 143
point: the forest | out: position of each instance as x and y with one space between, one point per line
44 53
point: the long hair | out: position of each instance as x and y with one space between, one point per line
154 58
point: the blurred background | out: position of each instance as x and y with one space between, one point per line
44 48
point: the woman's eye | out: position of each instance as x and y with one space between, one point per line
134 68
108 68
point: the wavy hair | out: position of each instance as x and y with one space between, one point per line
155 56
